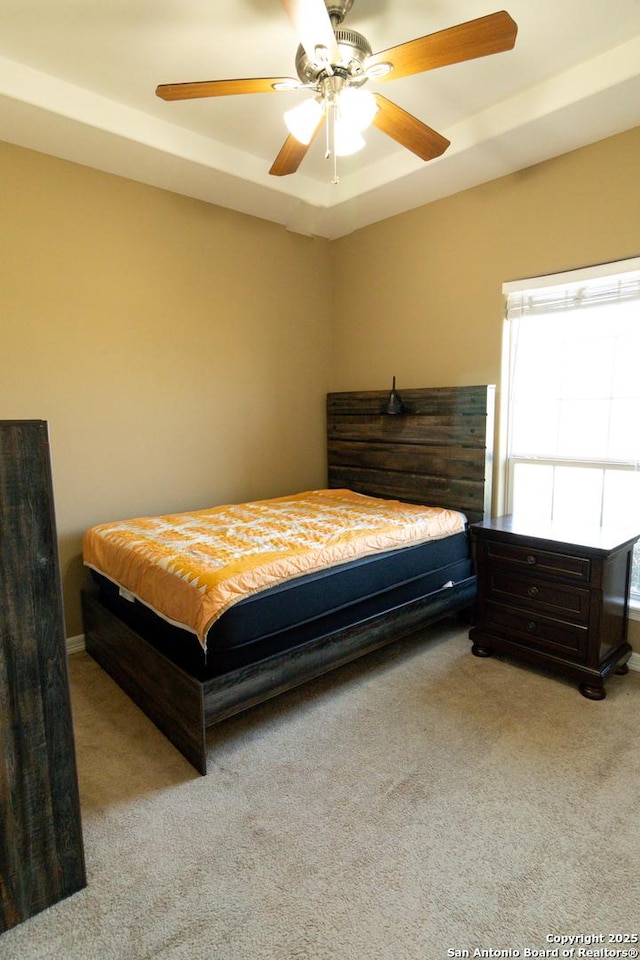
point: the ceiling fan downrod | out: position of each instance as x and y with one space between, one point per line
337 10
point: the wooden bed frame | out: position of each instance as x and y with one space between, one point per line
438 452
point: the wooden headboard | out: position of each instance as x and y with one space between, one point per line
438 452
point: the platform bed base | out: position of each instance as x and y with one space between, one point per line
183 708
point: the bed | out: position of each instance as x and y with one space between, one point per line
189 671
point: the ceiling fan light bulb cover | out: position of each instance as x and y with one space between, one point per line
357 108
347 140
302 120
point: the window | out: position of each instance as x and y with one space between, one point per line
572 385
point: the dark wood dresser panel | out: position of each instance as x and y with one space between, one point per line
439 451
41 850
556 597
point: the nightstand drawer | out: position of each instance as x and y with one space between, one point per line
554 595
530 558
542 633
554 599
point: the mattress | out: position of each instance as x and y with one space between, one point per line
303 609
191 567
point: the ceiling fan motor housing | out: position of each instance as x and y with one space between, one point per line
354 50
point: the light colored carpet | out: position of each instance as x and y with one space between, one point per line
416 802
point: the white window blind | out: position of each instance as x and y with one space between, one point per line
573 447
575 295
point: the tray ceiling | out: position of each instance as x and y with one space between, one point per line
77 81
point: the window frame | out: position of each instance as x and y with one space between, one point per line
508 462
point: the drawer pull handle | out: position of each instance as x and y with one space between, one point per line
532 559
533 591
531 626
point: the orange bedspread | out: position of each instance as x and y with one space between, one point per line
191 567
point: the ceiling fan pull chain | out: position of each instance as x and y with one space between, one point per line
328 127
332 110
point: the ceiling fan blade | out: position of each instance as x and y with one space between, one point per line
407 130
494 33
290 157
223 88
292 153
313 27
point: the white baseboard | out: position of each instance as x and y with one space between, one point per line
76 644
634 661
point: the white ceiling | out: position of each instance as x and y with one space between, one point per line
77 80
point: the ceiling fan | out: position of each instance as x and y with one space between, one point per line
334 64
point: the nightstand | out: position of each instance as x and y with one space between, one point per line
554 595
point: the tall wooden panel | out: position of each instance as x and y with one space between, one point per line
41 851
438 452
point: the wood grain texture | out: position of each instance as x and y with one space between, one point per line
494 33
219 88
439 452
41 852
407 130
292 153
250 685
555 598
184 708
169 696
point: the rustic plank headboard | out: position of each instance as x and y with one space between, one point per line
438 452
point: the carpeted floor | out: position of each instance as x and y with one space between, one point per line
413 804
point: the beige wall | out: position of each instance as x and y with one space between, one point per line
419 295
179 351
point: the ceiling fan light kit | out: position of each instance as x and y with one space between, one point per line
302 121
357 108
334 63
